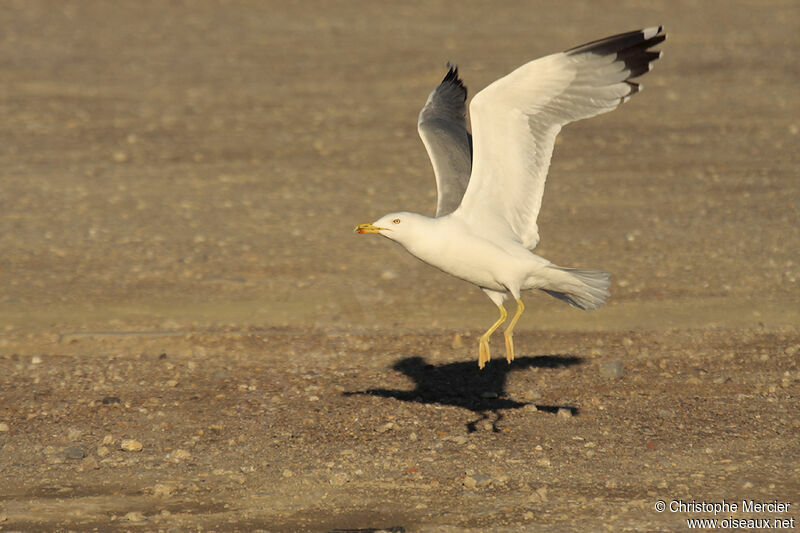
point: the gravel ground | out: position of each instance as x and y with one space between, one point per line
295 431
191 337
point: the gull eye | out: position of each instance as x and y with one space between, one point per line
396 221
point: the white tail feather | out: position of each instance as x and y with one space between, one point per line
583 288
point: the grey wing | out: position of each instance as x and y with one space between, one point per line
442 125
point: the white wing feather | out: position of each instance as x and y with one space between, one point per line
516 119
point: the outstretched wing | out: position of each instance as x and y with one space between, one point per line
515 121
442 125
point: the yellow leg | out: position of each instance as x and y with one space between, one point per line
483 346
509 332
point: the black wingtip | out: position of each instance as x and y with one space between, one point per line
452 73
452 78
632 48
644 39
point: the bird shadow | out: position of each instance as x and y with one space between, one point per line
463 385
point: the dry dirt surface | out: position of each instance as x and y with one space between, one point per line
192 338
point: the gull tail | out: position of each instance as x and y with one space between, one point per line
583 288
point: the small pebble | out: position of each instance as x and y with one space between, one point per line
474 481
74 452
564 413
612 369
338 479
531 395
178 455
163 490
130 445
489 395
457 341
383 428
89 463
539 495
3 427
135 516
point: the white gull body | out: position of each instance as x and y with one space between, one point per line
451 245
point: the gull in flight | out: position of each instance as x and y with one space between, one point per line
490 183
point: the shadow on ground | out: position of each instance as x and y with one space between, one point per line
463 385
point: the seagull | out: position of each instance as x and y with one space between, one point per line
490 182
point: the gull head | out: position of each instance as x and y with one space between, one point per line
398 227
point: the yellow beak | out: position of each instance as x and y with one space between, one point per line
368 228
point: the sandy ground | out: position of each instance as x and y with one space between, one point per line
191 337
